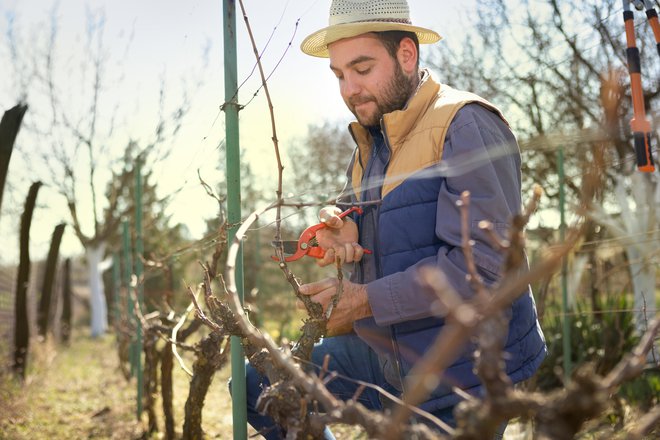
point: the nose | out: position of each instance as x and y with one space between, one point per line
350 86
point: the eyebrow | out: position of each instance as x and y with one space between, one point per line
358 60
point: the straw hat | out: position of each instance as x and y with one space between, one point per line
349 18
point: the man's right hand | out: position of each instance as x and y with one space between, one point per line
339 238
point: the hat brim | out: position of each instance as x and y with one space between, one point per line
317 43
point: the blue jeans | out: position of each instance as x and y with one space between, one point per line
349 357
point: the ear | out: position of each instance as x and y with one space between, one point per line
407 55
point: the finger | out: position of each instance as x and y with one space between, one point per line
349 253
324 297
334 222
340 252
328 258
318 286
330 216
358 252
300 305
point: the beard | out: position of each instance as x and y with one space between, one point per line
393 96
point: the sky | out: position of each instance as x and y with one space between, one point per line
178 43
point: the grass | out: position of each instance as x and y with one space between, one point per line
78 392
71 392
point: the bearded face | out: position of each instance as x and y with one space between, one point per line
371 81
392 96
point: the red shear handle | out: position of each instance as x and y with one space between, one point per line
350 210
307 242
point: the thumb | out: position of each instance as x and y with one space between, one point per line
334 222
330 216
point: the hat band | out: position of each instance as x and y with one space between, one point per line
377 20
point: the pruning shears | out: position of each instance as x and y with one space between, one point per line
307 244
640 125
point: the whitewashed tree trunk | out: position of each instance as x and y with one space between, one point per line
99 319
643 280
637 228
641 219
575 274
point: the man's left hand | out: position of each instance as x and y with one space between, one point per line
353 304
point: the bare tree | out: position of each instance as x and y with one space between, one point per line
22 328
65 318
558 67
79 128
44 311
9 127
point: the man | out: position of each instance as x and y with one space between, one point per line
406 124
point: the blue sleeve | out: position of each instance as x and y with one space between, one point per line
479 136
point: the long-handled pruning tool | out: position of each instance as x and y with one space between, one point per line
640 125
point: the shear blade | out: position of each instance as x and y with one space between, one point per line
289 247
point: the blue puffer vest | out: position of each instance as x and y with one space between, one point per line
405 224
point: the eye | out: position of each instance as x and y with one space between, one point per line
363 71
337 73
